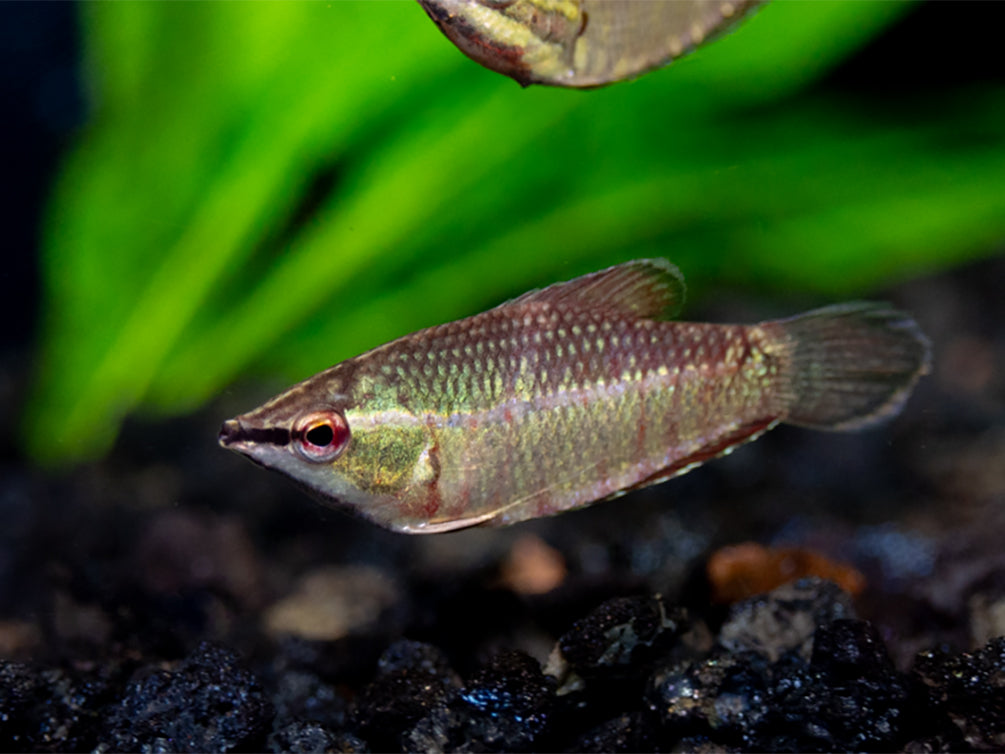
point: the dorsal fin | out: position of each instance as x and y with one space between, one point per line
644 288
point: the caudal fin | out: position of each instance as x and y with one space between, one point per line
853 364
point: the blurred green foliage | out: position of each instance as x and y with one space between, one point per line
268 188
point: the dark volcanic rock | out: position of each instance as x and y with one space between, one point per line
848 696
631 731
784 619
413 680
847 649
208 702
406 655
50 710
966 695
303 696
512 688
19 691
505 706
722 696
854 700
620 634
314 738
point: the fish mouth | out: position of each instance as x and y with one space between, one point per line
229 431
236 436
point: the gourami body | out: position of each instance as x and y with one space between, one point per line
580 43
568 395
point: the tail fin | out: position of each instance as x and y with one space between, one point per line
853 364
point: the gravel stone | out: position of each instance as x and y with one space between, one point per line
966 694
620 634
631 731
413 680
208 702
506 706
49 710
301 696
849 697
785 618
314 738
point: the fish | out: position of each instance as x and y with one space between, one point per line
570 394
580 43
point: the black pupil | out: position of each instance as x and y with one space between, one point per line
321 435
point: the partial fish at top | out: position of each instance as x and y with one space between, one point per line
580 43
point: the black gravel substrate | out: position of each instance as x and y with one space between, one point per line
644 681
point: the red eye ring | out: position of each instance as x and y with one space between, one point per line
320 436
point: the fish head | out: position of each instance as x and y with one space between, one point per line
521 39
299 433
350 453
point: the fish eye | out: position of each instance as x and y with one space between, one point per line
321 436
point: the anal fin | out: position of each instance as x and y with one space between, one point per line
719 447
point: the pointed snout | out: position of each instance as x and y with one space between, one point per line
230 431
245 437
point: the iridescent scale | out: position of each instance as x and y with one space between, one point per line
542 408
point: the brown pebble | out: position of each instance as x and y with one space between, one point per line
532 566
332 602
740 571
